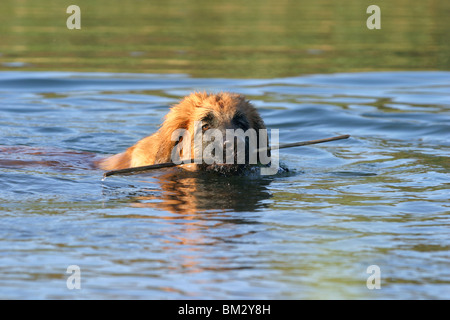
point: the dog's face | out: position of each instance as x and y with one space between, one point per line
209 120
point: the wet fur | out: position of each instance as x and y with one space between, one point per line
157 148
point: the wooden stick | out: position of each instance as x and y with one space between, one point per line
171 164
304 143
139 169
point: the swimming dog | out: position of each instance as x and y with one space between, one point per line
196 113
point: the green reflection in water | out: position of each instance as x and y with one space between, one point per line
232 38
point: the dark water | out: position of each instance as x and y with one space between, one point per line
380 198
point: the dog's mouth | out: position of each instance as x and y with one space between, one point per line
223 168
224 165
228 158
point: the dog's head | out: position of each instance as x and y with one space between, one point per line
208 120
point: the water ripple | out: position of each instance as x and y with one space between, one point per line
380 197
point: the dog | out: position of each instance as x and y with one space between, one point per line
221 111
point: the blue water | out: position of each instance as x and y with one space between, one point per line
379 198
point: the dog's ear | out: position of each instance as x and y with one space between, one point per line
255 120
177 118
257 123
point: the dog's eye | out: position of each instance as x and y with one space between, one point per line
207 120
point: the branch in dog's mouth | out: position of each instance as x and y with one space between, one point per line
304 143
143 169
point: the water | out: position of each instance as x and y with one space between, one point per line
232 39
379 198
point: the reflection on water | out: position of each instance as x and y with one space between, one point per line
378 198
184 192
217 39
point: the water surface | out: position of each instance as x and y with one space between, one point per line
380 198
232 39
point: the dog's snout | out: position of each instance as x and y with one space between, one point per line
229 146
232 148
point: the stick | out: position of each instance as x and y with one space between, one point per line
171 164
139 169
304 143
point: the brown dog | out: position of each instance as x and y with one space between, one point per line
215 111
